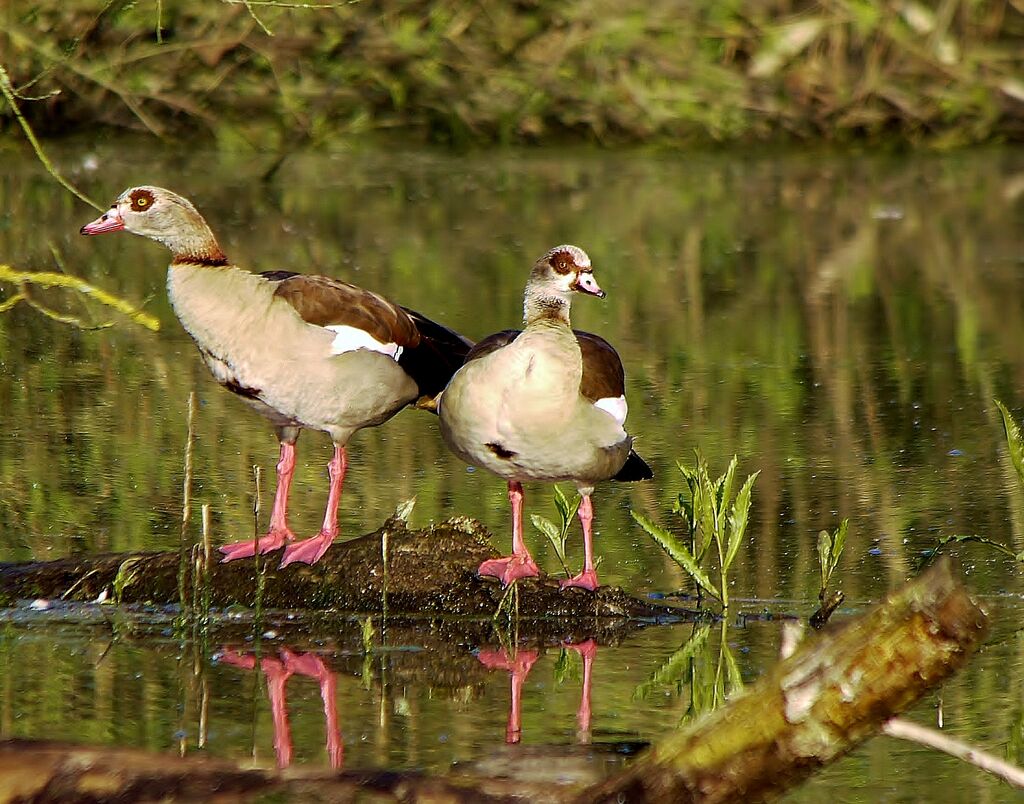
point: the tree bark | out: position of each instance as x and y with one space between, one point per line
831 694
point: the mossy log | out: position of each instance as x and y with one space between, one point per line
396 570
831 694
836 690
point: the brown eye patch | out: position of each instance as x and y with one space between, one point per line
141 200
563 262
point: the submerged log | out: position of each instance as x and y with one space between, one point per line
395 570
835 691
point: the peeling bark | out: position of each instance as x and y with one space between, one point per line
834 692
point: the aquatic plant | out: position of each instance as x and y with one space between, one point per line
1014 440
558 534
711 515
1015 447
830 550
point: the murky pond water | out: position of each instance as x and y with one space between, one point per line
842 324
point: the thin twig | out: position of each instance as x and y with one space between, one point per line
908 730
248 7
49 279
277 4
7 89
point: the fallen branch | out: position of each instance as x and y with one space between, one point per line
831 694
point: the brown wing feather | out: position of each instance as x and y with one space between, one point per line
325 302
493 343
603 375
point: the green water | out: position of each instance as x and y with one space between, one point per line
840 323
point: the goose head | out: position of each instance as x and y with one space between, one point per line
165 217
563 271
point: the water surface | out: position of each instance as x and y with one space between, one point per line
841 323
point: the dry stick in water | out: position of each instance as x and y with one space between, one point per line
186 505
908 730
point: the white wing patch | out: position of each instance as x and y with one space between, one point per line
615 406
350 339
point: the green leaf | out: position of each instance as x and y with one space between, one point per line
404 510
562 666
546 526
1014 440
738 520
562 504
367 635
723 496
552 531
732 670
677 552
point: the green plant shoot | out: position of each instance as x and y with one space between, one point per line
711 515
1014 440
558 535
830 549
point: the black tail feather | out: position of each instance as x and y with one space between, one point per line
440 353
635 468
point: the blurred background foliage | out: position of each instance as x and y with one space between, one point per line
272 74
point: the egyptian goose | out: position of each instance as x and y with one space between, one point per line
304 351
545 403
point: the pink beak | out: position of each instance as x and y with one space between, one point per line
585 283
109 221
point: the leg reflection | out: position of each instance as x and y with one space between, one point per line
519 667
277 672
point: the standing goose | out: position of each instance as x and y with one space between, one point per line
545 403
304 351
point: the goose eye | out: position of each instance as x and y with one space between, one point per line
140 203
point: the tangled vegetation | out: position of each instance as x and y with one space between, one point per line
271 73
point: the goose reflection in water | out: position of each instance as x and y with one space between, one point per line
277 671
518 666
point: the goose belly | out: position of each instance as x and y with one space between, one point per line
283 367
512 419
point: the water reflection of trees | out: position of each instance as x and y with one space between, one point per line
842 324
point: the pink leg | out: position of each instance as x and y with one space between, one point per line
277 676
520 564
309 664
309 551
279 532
587 650
519 666
588 578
